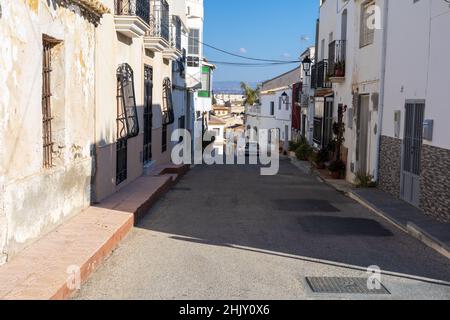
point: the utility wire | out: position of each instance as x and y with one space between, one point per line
240 56
243 64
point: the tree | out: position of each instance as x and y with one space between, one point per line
251 95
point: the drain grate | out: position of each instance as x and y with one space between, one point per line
343 285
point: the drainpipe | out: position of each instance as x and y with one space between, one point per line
382 91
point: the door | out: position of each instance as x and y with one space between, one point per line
362 134
148 113
412 151
327 135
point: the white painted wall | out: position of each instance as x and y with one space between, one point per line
417 65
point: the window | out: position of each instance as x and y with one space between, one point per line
167 110
164 138
193 61
122 160
127 118
367 31
272 108
148 113
193 45
46 105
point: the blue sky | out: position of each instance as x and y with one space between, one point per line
258 28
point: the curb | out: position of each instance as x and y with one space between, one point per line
410 228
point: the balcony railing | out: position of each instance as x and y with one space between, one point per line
160 20
176 32
336 58
139 8
319 75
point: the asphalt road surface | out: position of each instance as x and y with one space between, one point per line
225 232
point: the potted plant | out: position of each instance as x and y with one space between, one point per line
337 169
321 158
303 152
339 70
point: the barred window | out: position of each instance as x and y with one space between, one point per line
127 117
46 105
367 31
148 113
167 110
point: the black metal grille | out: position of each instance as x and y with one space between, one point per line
122 160
341 285
140 8
46 106
336 58
177 29
167 110
413 137
164 138
160 20
127 118
148 113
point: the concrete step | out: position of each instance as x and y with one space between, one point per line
52 267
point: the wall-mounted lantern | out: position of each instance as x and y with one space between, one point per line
285 98
306 64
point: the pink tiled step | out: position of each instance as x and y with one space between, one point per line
41 270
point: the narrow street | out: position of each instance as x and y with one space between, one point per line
225 232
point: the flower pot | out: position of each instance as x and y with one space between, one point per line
335 175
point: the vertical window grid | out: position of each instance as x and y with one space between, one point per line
148 114
46 106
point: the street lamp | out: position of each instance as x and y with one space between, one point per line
284 98
306 64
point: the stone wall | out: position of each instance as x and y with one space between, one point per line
434 182
390 165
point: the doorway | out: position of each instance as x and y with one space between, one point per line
412 151
362 133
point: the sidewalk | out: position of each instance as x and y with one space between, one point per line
52 267
408 218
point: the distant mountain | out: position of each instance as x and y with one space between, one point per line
230 86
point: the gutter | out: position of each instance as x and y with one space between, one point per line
382 87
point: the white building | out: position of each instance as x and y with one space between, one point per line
275 109
415 144
347 75
199 71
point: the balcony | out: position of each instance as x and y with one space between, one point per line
158 37
336 58
174 51
319 75
132 17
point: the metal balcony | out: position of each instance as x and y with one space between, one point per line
132 17
158 37
319 75
337 59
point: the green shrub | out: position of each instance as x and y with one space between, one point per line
363 180
303 152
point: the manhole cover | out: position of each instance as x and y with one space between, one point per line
343 285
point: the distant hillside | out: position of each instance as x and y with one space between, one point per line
230 86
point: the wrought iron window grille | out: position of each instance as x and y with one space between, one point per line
127 117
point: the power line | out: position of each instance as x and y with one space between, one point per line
243 64
241 56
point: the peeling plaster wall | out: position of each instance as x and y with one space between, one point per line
34 200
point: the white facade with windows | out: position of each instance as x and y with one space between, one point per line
275 109
348 66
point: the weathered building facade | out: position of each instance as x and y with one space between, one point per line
47 68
